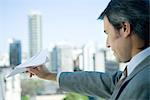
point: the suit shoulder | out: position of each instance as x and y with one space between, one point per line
142 77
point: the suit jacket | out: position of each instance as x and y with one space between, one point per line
135 87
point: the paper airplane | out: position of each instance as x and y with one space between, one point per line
38 59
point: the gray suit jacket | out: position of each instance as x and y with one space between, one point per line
135 87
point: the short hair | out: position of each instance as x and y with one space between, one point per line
136 12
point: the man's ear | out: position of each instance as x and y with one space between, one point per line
126 29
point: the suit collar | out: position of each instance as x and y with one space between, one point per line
139 68
137 59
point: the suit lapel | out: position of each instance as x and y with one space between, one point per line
139 68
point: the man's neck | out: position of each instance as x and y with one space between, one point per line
137 43
135 52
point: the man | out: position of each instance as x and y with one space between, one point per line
126 23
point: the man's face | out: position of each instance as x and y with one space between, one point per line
119 43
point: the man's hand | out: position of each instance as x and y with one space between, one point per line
41 72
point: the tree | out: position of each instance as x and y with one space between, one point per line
31 87
75 96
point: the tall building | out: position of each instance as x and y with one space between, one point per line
35 32
54 59
62 58
15 52
100 60
78 59
88 55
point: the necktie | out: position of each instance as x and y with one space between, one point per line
123 77
121 80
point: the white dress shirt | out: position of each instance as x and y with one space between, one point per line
138 58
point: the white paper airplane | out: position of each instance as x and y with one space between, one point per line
38 59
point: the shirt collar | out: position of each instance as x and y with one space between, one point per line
137 59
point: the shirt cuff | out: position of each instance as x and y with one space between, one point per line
58 74
59 71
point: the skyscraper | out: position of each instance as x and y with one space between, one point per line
35 32
14 52
62 58
88 53
55 59
100 60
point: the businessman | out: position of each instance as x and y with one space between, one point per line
126 23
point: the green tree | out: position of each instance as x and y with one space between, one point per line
26 97
31 87
75 96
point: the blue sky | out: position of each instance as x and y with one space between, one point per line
73 21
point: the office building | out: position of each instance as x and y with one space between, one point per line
100 60
78 59
15 52
88 54
35 32
62 58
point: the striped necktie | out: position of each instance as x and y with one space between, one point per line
123 77
121 80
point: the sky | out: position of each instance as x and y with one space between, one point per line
73 21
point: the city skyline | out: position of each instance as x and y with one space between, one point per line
71 21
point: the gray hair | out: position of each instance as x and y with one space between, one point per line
136 12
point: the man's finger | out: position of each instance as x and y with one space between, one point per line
31 75
33 70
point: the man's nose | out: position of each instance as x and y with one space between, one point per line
107 43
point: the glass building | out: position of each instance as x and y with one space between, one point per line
15 52
35 32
